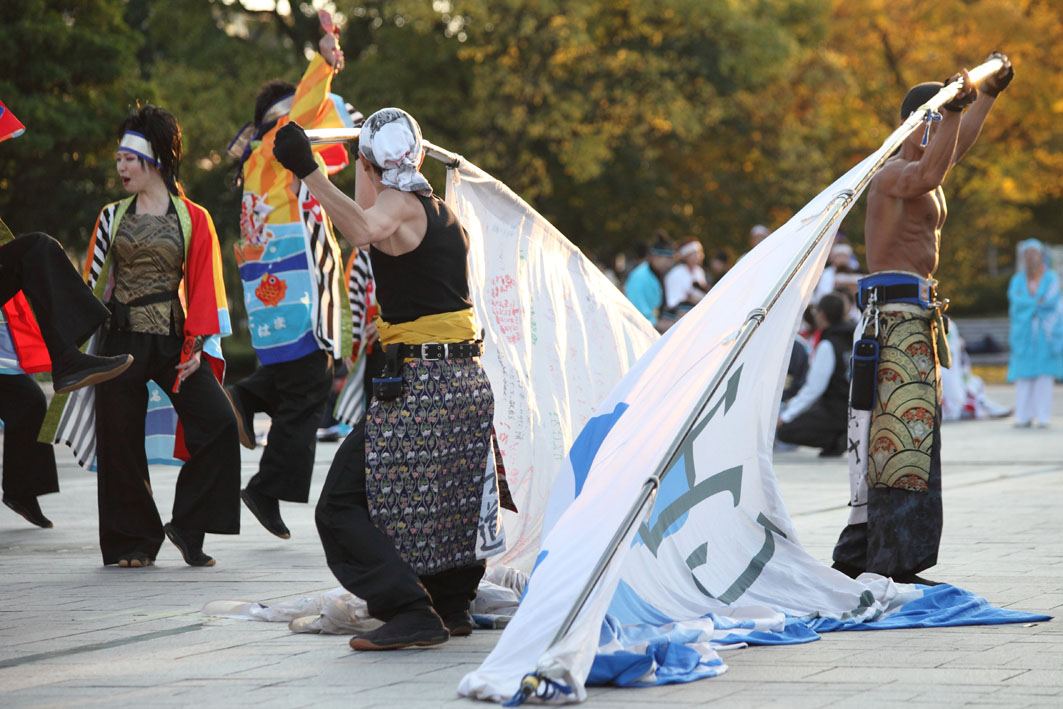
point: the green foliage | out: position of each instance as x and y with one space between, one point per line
611 117
66 70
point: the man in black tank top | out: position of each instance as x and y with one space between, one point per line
397 517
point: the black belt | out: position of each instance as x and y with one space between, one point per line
437 350
120 310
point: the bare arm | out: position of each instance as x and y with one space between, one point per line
921 176
971 125
359 226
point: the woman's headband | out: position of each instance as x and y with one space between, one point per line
133 142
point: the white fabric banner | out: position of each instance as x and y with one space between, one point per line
719 538
558 337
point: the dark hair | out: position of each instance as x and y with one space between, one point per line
268 94
832 307
721 256
918 95
163 133
661 240
641 250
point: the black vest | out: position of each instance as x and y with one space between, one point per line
840 336
431 279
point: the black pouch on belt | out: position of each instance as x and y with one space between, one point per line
864 374
388 386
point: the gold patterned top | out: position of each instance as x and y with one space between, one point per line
149 254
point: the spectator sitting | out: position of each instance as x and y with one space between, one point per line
719 264
818 414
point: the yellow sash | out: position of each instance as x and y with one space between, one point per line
457 326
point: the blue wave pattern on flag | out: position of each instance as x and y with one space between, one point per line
716 562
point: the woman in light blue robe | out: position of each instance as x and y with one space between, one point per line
1036 312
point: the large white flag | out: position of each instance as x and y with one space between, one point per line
559 336
716 561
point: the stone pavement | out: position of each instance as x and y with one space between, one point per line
75 633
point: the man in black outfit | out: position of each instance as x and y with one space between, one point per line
817 415
67 313
399 514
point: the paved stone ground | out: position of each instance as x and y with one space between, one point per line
74 633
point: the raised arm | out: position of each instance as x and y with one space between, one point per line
971 126
928 172
359 226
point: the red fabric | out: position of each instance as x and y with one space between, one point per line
10 127
201 317
26 336
336 157
201 311
180 450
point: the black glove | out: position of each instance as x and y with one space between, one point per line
291 147
995 83
961 101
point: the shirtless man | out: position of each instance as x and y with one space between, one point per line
894 447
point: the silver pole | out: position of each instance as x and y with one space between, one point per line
753 321
323 136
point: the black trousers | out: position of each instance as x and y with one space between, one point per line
819 426
207 497
29 466
903 529
294 394
66 310
365 560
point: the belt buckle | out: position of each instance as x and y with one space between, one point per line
424 351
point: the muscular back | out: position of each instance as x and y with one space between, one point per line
902 233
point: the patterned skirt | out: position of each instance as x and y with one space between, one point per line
430 466
906 406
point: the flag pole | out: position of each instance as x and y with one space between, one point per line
827 220
324 136
753 320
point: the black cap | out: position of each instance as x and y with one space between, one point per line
918 95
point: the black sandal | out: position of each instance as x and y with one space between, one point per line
193 555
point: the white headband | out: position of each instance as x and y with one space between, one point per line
133 142
391 140
689 248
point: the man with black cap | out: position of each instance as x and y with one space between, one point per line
894 444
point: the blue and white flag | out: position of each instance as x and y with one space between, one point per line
716 560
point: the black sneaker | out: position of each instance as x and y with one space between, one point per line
76 369
459 624
412 629
245 424
850 571
267 511
190 544
912 578
839 448
30 509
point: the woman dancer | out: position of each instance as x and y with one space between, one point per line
161 278
1036 311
